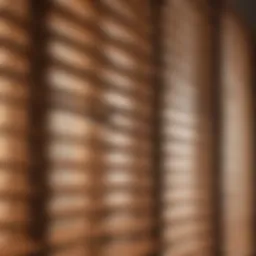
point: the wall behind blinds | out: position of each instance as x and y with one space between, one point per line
237 134
76 119
186 130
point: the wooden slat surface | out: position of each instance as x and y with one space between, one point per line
72 131
15 190
77 126
127 223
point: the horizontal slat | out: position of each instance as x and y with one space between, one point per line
140 247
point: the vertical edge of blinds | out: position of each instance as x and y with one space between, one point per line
237 129
157 37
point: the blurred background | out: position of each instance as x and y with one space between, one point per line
127 128
246 9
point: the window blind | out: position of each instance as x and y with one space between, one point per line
186 130
127 96
14 153
72 130
99 118
78 133
76 157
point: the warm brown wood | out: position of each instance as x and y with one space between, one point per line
237 137
72 131
78 142
186 131
15 190
127 223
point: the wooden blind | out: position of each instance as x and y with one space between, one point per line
77 131
237 137
186 130
76 128
126 223
14 150
100 163
72 130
